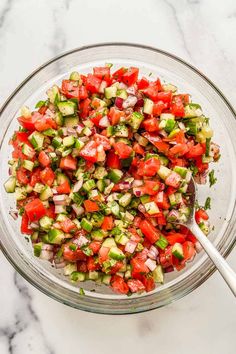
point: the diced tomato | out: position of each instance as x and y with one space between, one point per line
93 83
149 283
177 108
188 250
103 254
179 149
182 97
64 188
173 180
95 246
44 159
102 73
138 267
90 206
95 118
70 89
143 83
35 177
50 212
165 97
161 220
85 108
27 122
175 237
118 74
162 200
149 167
195 151
68 226
202 167
201 214
42 110
107 223
130 76
157 142
89 151
25 225
35 210
82 266
83 93
158 108
68 163
123 150
20 137
114 115
73 255
138 149
119 285
92 265
113 160
116 267
47 176
135 285
102 140
149 231
42 124
152 90
23 175
166 257
150 187
151 124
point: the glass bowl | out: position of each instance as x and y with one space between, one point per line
169 68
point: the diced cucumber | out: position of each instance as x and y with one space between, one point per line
28 165
192 110
59 119
122 94
148 106
115 209
56 236
28 151
172 199
110 92
167 116
36 140
169 87
164 160
128 217
79 144
75 76
20 193
173 133
77 276
50 132
109 242
163 172
70 268
116 253
97 219
115 175
158 274
145 198
207 159
97 103
101 185
71 122
177 251
67 108
57 142
61 178
87 131
86 225
46 193
38 249
68 141
53 94
25 112
110 131
98 235
88 185
135 120
121 239
10 185
170 125
34 236
108 189
192 128
182 171
121 131
162 242
100 172
93 275
61 218
125 200
45 222
151 208
106 279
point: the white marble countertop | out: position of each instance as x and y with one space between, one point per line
201 32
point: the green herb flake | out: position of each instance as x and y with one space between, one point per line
73 247
207 203
81 291
212 178
40 104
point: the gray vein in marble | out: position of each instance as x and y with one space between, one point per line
21 323
59 38
3 14
181 32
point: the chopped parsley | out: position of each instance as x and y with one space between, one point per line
40 104
207 203
81 291
212 178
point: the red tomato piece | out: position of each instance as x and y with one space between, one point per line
201 214
114 115
103 254
202 167
93 83
195 151
158 108
123 150
35 210
173 180
95 246
119 285
44 159
102 73
23 175
138 267
47 176
188 250
138 149
149 231
90 206
85 108
89 151
130 76
70 89
175 237
64 188
143 83
27 122
151 124
73 255
92 265
179 149
157 142
68 226
165 96
113 160
118 74
162 200
135 285
102 140
50 212
35 177
149 167
68 163
25 225
178 109
149 283
107 223
83 93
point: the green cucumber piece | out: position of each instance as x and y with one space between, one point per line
162 242
182 171
116 253
125 200
55 236
67 108
136 120
10 185
109 242
38 249
158 274
88 185
77 276
46 193
177 251
115 175
110 92
36 140
70 122
148 106
86 225
68 141
45 222
163 172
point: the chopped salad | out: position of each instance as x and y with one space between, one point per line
100 171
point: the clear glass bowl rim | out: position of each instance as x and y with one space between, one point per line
137 304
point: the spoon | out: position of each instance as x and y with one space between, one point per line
227 273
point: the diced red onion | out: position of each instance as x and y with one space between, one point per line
137 183
153 252
137 192
47 247
10 171
119 102
162 187
34 225
130 102
130 246
124 185
163 133
140 102
181 125
188 176
173 215
200 178
122 86
104 122
198 247
60 265
54 191
102 86
64 131
14 214
94 130
79 128
71 131
59 209
81 241
78 185
151 264
131 90
79 210
60 199
84 139
142 208
47 255
169 269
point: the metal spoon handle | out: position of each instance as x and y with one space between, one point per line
227 273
